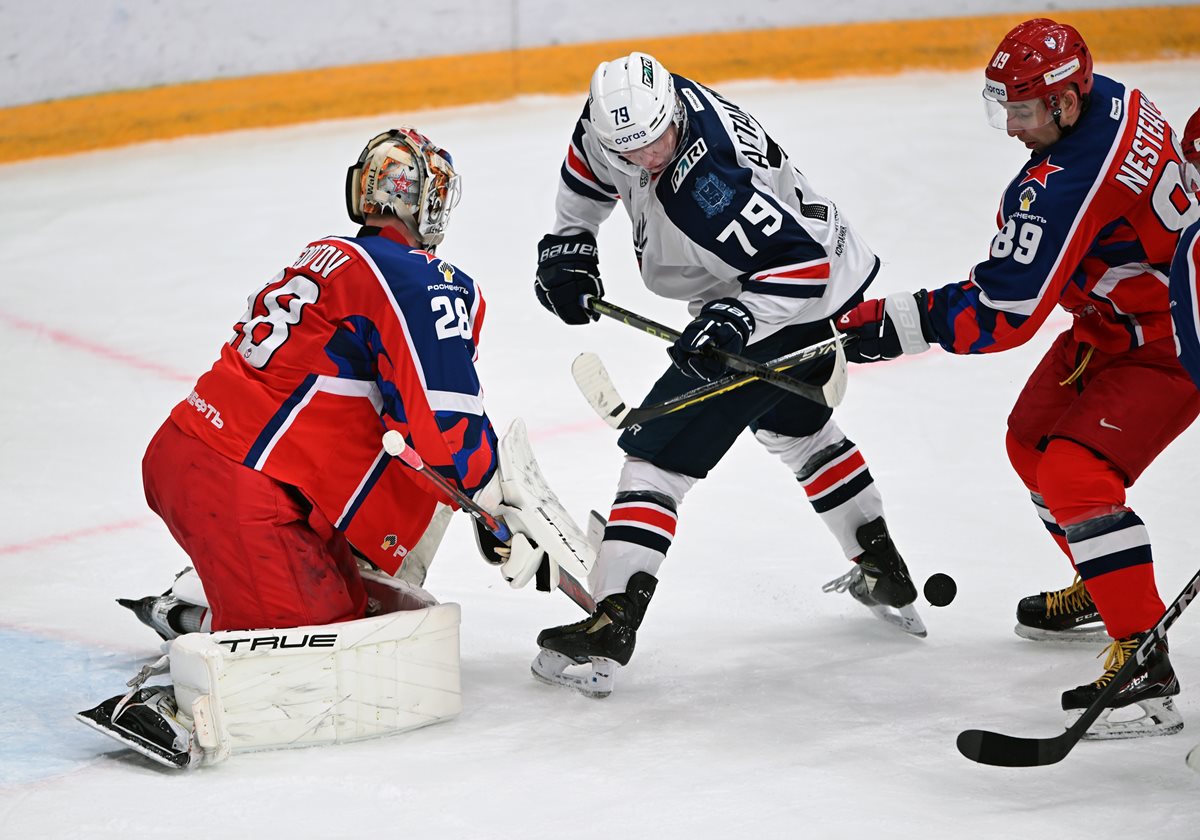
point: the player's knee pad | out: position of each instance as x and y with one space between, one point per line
638 475
244 691
1077 484
803 455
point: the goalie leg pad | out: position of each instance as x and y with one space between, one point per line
532 508
322 684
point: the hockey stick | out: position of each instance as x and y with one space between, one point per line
593 380
1009 751
830 394
396 446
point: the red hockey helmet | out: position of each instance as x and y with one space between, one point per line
1191 138
1191 152
1036 61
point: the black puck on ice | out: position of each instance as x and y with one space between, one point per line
940 589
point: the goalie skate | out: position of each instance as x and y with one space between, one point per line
906 618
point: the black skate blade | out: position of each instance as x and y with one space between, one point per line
998 750
98 718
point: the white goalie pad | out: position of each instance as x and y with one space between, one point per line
244 691
532 508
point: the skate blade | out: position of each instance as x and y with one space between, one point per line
550 667
1078 635
1158 716
906 618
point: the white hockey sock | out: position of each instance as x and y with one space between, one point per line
641 525
835 479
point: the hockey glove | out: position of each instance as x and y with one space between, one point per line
886 328
568 269
723 324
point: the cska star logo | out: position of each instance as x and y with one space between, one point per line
1041 172
401 184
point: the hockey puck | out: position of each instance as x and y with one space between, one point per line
940 589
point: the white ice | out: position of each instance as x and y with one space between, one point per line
756 706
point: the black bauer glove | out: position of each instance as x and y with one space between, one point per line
568 268
887 328
723 324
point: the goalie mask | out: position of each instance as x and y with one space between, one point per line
402 172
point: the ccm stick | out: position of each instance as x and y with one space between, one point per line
830 394
396 446
1009 751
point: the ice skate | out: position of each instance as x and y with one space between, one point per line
604 640
146 720
154 611
880 580
1066 615
1149 692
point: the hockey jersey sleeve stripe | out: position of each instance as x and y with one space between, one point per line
814 269
577 165
456 402
584 188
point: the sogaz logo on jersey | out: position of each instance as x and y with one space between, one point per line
712 194
696 151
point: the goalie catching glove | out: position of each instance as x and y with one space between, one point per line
520 560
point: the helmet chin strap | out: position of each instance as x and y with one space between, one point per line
1056 113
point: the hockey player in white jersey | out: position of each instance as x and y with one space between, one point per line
721 220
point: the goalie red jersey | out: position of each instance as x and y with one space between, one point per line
357 336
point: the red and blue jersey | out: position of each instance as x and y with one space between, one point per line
1089 224
1185 300
359 335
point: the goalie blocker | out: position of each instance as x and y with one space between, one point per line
244 691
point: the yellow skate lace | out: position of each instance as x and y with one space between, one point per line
1074 598
1118 654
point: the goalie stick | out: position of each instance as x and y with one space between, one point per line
1010 751
830 394
396 446
596 385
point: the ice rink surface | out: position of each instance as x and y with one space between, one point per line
756 706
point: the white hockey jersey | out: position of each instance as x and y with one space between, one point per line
729 217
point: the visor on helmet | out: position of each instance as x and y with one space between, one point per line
1021 115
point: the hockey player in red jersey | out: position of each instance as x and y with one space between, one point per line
274 460
1185 269
1089 223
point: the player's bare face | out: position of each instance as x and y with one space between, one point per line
1031 123
655 157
